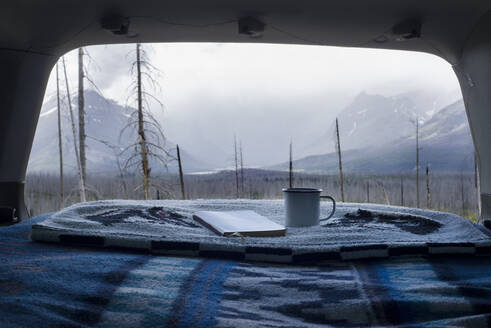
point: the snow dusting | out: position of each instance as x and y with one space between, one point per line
46 113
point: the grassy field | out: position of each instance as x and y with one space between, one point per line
451 192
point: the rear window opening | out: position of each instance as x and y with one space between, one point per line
239 112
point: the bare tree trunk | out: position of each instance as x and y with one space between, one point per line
338 144
60 145
417 162
428 192
150 143
462 192
236 168
384 194
81 114
83 197
181 176
475 170
241 170
476 184
290 170
141 130
402 191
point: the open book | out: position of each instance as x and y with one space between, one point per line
246 223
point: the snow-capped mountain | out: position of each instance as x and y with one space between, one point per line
445 145
377 135
375 120
104 121
449 126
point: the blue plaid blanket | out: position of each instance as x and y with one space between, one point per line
43 285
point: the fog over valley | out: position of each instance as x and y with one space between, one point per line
265 95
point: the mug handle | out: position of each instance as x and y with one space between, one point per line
333 207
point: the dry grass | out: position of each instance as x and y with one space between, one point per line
42 190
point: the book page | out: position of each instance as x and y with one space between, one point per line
237 221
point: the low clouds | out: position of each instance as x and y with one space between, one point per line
266 94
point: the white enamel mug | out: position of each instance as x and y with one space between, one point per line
303 206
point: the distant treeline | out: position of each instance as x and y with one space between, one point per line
451 192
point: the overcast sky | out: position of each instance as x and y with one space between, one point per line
265 94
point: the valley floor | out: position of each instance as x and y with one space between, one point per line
450 192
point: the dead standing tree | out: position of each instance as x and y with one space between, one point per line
476 183
402 191
83 75
181 175
338 150
82 186
236 159
415 120
60 144
384 193
81 114
417 162
241 169
462 193
290 168
150 141
428 191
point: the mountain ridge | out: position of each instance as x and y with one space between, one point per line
105 119
387 146
445 145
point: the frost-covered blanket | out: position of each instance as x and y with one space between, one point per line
52 285
356 231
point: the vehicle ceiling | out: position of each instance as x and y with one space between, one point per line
56 26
